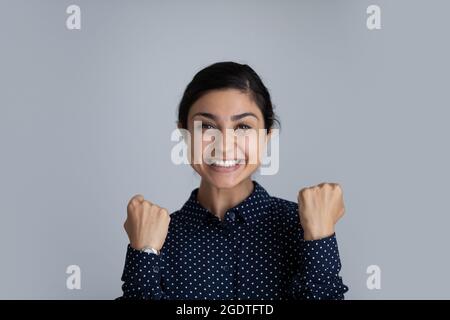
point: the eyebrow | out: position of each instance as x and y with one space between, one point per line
233 118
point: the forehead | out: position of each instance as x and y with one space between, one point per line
225 103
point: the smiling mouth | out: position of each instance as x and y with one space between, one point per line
225 165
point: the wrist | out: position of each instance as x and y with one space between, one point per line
317 233
142 247
150 250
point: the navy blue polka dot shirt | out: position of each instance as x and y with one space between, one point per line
256 252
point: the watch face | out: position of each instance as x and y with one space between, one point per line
150 250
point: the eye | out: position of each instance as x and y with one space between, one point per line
243 127
207 126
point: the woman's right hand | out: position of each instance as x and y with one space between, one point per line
146 224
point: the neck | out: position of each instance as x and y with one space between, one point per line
219 200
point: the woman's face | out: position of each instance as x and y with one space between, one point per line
226 164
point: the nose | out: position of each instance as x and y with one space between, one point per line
227 148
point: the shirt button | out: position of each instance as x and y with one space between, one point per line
156 269
232 215
225 268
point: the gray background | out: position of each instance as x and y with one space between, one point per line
86 118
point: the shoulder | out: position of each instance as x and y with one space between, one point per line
180 219
176 216
285 210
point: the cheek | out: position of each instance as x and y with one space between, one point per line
249 149
202 151
208 150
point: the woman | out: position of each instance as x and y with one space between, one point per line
231 239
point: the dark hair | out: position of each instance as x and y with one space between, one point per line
228 75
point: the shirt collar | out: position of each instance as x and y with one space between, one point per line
248 210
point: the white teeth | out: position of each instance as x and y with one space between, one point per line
226 163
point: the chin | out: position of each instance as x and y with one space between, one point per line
223 181
223 178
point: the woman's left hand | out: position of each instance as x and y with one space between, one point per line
320 207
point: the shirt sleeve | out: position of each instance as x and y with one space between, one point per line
317 274
141 276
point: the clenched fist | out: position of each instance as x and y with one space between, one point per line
320 207
146 224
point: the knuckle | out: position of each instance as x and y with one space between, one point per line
155 209
146 204
134 202
303 191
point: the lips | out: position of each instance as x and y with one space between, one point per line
225 165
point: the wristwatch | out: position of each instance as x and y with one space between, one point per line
150 250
